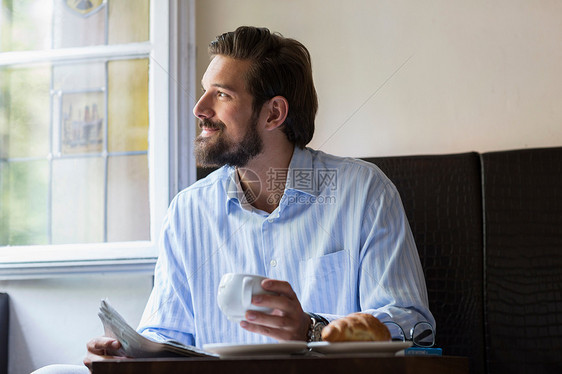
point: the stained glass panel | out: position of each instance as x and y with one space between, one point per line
23 25
128 105
24 112
127 200
78 200
82 122
73 131
24 203
27 25
128 21
79 76
79 23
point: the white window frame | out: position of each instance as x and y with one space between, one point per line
171 131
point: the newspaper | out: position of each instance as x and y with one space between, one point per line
135 345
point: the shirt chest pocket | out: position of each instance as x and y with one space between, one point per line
326 282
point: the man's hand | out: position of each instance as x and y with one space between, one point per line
287 321
100 349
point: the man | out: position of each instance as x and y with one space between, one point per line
329 233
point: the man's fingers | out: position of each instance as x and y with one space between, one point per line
102 345
282 326
280 302
287 321
268 320
275 333
280 287
100 349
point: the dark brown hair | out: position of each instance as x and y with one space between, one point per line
280 67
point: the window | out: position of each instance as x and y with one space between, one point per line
86 110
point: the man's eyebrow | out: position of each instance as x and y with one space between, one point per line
220 85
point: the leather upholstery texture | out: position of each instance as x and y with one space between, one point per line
523 205
442 197
488 228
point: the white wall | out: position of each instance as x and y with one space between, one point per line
51 320
406 77
393 77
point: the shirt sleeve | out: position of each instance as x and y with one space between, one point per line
168 314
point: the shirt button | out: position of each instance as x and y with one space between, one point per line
273 263
270 220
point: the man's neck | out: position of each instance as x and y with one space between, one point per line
263 179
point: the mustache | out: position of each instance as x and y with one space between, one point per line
207 123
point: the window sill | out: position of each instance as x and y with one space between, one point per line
40 270
36 262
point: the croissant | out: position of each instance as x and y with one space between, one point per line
356 327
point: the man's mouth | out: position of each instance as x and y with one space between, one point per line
208 131
208 128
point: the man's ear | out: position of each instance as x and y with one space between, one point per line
277 110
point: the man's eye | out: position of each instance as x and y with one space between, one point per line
221 94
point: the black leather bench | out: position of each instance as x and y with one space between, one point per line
489 233
523 257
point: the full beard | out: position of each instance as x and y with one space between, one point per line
217 150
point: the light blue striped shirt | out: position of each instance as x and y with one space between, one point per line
339 236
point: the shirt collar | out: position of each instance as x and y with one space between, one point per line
301 173
233 188
300 177
235 194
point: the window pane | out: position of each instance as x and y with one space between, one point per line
79 77
24 112
127 22
128 209
82 122
24 203
78 200
128 105
25 25
79 97
74 131
79 23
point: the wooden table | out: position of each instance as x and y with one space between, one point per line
287 365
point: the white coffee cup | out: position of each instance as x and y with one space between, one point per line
235 295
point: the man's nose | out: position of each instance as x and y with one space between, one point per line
203 109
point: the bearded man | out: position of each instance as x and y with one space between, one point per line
328 233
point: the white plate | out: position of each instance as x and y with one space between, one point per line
380 348
273 349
